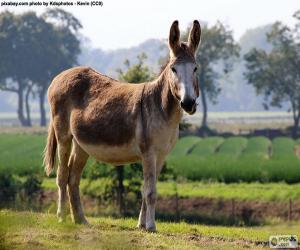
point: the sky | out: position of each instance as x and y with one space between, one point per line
126 23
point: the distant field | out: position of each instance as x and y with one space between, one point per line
25 230
236 159
232 159
221 121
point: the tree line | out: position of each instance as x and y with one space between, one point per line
33 50
36 48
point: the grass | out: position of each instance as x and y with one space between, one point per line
26 230
238 191
21 154
232 159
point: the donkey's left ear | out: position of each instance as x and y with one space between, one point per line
194 36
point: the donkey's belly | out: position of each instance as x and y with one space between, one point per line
115 155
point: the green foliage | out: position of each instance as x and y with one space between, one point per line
240 191
233 146
33 50
237 159
32 186
9 187
283 147
276 74
258 146
184 145
229 159
207 146
15 191
104 185
95 170
137 73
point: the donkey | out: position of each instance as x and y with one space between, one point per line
119 123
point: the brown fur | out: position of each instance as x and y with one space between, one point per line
114 122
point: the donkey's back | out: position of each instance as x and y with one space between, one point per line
80 87
96 110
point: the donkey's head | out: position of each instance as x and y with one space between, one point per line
183 67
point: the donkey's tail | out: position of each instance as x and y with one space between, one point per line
50 151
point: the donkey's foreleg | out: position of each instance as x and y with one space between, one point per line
142 216
64 147
77 162
149 190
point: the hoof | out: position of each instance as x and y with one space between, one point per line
151 229
141 226
81 221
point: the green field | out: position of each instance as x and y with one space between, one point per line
236 159
25 230
232 159
239 191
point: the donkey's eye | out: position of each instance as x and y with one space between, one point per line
174 70
195 69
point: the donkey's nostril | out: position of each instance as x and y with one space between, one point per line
188 104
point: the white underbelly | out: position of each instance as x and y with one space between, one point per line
116 155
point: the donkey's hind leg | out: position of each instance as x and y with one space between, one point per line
64 147
77 162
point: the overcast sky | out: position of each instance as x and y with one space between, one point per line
125 23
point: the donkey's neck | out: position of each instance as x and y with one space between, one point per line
163 100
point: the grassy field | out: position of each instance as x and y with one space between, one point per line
26 230
238 191
232 159
236 159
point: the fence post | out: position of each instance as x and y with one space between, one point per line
290 210
233 210
177 206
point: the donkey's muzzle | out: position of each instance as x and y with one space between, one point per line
189 105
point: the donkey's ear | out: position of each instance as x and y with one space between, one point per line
174 37
194 36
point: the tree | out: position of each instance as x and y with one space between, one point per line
136 73
33 50
276 74
16 47
63 52
217 51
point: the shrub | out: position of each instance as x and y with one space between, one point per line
184 145
207 146
233 146
9 188
259 146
